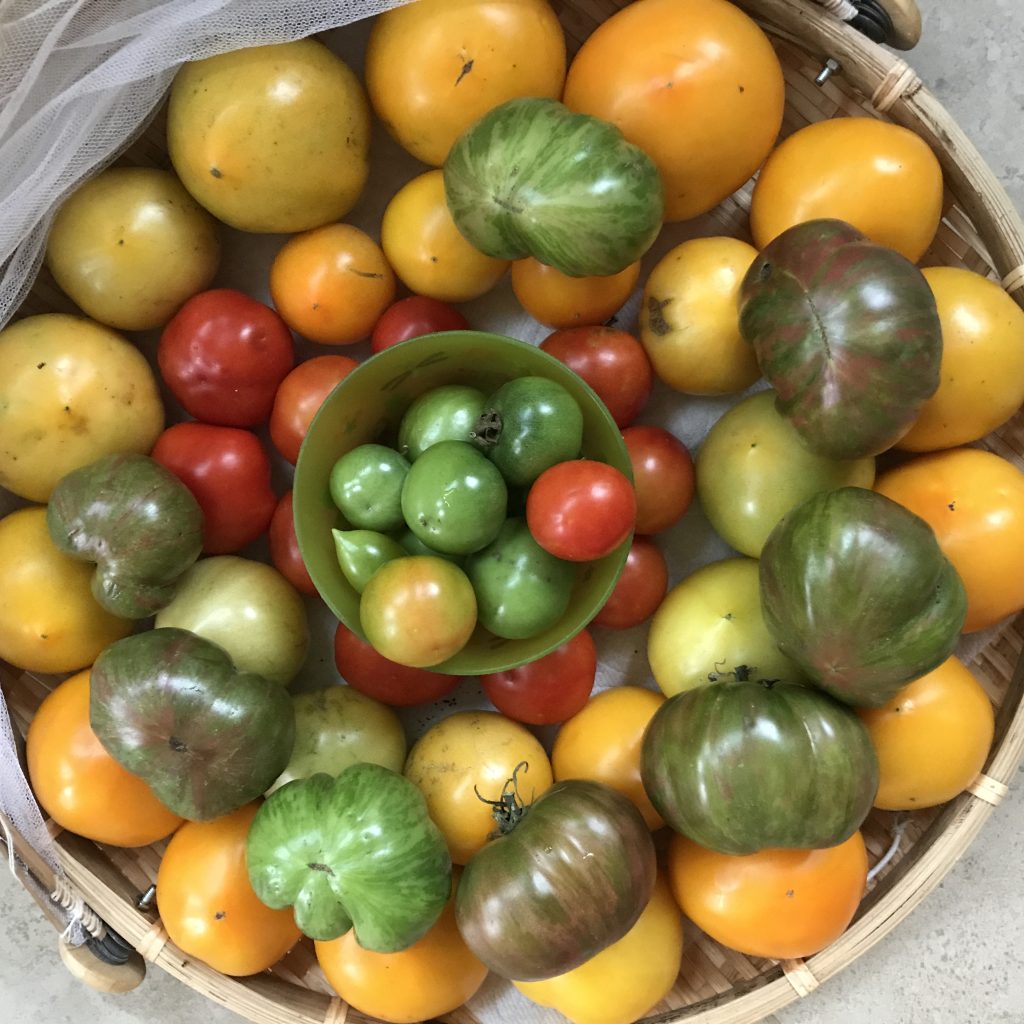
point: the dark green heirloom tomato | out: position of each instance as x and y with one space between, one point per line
137 521
454 500
568 876
520 588
531 178
366 485
357 851
529 425
447 413
742 766
856 590
848 334
172 708
362 552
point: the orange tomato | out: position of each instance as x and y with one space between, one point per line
557 300
932 738
331 284
207 904
781 904
694 83
974 501
877 176
981 381
79 784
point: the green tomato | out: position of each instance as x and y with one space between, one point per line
366 485
447 413
454 500
362 552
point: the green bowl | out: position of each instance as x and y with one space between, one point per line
368 406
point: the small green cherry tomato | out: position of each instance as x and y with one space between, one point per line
366 485
362 552
447 413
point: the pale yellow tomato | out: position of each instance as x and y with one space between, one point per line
689 317
558 300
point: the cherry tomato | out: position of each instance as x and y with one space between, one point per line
223 356
612 362
412 317
228 471
663 477
640 589
284 548
581 510
557 300
299 398
549 689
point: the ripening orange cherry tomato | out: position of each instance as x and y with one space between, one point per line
558 300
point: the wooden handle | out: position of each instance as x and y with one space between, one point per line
905 16
89 969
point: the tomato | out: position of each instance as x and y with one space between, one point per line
434 67
612 362
558 300
549 689
367 483
79 785
412 317
694 83
427 250
433 976
228 471
207 904
780 904
367 670
284 548
299 398
602 742
70 392
974 501
639 590
932 738
663 477
689 317
446 413
465 760
331 284
581 510
49 620
981 381
628 978
877 176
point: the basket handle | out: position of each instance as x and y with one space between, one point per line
897 23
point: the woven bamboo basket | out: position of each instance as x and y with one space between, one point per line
980 231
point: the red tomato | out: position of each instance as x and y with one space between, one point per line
299 398
662 477
223 356
612 362
550 689
580 510
284 548
413 317
369 672
229 473
641 587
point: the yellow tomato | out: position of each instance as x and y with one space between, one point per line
131 246
49 620
689 317
557 300
424 246
602 742
626 980
331 284
981 380
932 738
694 83
436 66
70 391
877 176
271 138
468 758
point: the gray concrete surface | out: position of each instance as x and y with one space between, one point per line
959 959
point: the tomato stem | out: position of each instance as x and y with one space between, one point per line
508 809
487 431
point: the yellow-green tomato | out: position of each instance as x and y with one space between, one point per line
70 391
753 468
271 138
626 980
709 625
131 246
